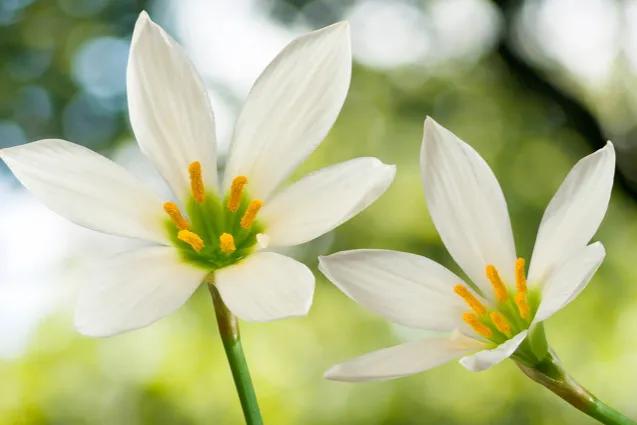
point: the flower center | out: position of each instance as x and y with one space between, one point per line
508 315
214 234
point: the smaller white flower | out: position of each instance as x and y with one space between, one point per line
209 230
489 318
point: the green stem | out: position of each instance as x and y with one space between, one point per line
229 332
549 372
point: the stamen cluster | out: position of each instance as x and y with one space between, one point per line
507 315
216 234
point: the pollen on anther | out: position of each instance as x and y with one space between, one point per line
234 200
196 181
226 243
473 321
498 286
192 239
501 323
175 215
522 303
470 299
520 277
251 213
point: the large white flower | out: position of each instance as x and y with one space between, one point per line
213 230
489 318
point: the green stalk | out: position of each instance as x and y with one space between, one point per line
549 372
229 332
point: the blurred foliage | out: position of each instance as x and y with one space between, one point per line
175 372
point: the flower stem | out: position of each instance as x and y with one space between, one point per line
229 332
549 372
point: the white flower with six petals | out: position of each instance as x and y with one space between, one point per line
488 320
227 228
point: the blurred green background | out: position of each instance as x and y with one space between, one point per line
532 85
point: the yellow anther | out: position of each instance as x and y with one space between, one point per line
520 277
251 213
501 323
191 238
226 243
496 282
473 321
523 305
234 200
175 215
470 299
196 181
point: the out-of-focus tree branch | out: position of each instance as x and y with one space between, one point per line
577 115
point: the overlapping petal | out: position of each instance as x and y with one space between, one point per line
484 359
466 205
575 212
325 199
87 188
266 286
570 278
169 108
405 288
402 360
134 289
290 108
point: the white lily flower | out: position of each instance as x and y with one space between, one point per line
210 231
488 319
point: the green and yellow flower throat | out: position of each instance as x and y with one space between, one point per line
510 314
216 233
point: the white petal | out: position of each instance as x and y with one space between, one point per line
87 188
466 205
266 286
568 280
405 288
402 360
574 213
485 359
134 290
325 199
290 108
169 108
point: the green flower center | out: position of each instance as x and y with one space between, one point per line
509 315
215 233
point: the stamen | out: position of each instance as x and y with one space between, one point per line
251 213
470 299
520 278
497 284
523 305
472 320
192 239
175 215
521 300
234 200
226 243
501 323
196 182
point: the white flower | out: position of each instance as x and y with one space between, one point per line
211 229
489 318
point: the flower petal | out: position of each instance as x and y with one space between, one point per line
325 199
266 286
575 212
466 205
135 289
405 288
169 108
484 359
402 360
87 188
568 280
290 108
